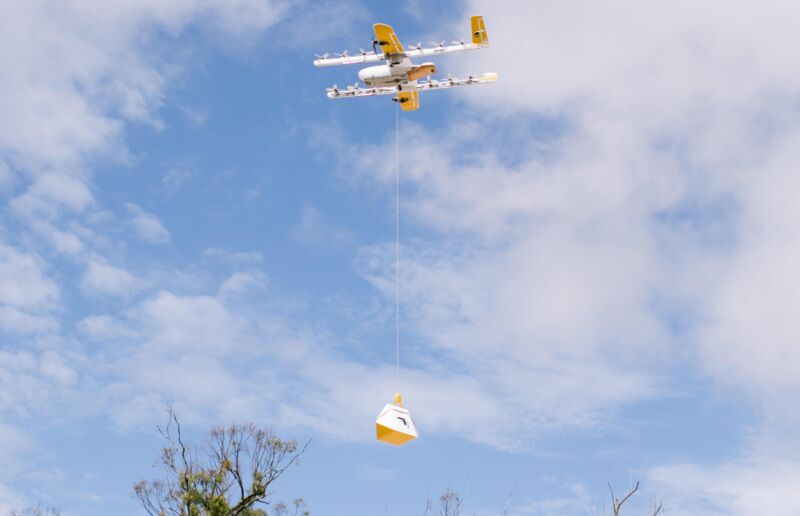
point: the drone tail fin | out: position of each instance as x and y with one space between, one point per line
479 34
409 100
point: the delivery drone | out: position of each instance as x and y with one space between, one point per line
399 76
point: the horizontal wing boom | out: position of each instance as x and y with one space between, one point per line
433 84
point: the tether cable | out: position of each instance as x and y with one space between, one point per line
397 247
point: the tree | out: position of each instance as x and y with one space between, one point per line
300 508
228 476
616 503
37 510
449 505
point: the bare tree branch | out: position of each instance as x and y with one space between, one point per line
616 502
450 504
504 512
657 508
37 510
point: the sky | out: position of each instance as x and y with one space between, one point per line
598 253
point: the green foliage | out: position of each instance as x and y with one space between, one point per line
228 476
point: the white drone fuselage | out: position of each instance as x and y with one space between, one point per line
401 73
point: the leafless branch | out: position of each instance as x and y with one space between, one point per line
450 504
504 512
616 502
657 508
37 510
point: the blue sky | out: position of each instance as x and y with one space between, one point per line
598 252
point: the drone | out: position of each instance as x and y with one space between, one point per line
399 76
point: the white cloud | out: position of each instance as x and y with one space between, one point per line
176 178
42 380
89 68
147 226
23 282
9 500
50 193
92 68
198 322
13 445
750 334
105 279
66 242
186 348
315 230
760 481
240 283
308 25
234 257
6 176
103 327
19 321
576 501
27 296
55 368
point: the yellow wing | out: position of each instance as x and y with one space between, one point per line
387 39
409 100
479 35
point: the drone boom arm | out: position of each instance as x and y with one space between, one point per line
433 84
391 46
360 58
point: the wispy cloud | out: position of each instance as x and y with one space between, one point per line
102 278
761 479
28 297
315 230
147 226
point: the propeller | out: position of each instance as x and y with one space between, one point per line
438 43
345 53
374 44
418 46
323 56
459 42
362 51
353 87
